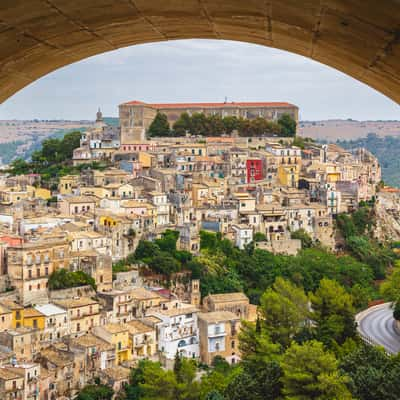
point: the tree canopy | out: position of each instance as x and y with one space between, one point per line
311 373
200 124
63 279
159 126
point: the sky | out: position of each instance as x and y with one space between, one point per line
197 71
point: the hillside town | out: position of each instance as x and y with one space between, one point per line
261 190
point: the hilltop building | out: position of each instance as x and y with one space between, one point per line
136 116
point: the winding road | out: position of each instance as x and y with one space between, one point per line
377 326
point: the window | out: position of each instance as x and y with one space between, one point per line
78 327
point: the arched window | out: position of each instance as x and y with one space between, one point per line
181 343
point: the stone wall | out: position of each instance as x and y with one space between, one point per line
284 246
80 291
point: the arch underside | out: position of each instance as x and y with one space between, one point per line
358 37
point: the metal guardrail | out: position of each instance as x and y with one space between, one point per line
366 338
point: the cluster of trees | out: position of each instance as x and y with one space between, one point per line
64 279
53 160
223 268
96 392
214 125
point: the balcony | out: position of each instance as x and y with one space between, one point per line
122 349
75 317
123 313
217 334
144 342
122 302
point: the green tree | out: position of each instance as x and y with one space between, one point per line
259 237
69 143
311 373
145 250
287 124
231 123
63 279
165 264
390 289
306 240
95 392
182 125
256 346
284 309
374 375
178 365
214 126
260 383
215 395
198 124
333 312
168 241
19 167
208 240
159 125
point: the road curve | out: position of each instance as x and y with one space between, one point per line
377 326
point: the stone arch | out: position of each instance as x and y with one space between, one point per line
359 38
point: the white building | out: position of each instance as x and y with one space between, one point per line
56 322
243 235
178 330
82 241
161 202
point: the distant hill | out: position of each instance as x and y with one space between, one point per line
347 129
386 149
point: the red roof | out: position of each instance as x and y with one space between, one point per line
211 105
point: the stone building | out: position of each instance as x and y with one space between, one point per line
236 303
31 263
83 313
218 331
11 384
136 116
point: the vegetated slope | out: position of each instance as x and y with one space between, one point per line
387 149
8 151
